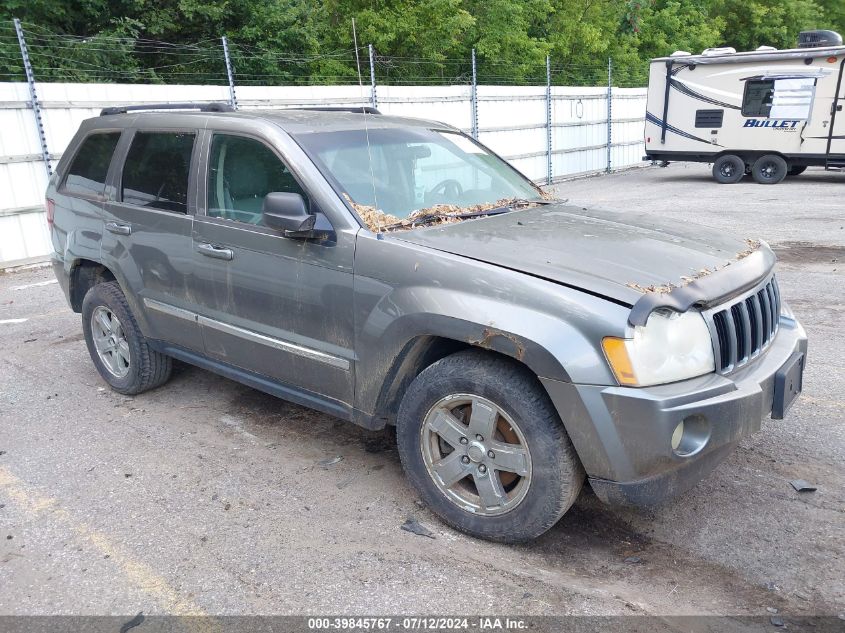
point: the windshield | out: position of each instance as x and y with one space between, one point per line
410 176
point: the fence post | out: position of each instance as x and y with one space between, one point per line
473 99
548 120
609 110
373 97
233 100
33 97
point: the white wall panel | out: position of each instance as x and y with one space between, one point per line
511 120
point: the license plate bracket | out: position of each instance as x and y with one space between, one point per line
788 383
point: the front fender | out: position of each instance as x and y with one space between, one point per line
549 345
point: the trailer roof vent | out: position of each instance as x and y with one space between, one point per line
721 50
763 49
681 54
818 38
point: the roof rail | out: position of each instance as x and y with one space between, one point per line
212 106
354 109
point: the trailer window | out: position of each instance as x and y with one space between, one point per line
758 99
779 97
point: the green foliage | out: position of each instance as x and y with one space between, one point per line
416 41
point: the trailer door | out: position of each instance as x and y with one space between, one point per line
836 136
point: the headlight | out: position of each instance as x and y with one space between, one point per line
672 346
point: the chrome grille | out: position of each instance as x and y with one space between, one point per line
743 329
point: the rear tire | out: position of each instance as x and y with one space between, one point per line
119 350
796 170
482 444
728 169
769 169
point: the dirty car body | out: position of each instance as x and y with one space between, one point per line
343 317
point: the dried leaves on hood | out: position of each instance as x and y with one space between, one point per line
379 221
751 246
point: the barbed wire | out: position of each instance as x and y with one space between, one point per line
61 57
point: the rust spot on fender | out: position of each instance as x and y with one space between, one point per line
491 334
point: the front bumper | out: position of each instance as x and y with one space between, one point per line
623 434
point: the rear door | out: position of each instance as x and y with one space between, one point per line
147 236
274 305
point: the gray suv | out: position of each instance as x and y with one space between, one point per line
392 271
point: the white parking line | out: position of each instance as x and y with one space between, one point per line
10 321
40 283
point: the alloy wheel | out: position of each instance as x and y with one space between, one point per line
110 341
476 454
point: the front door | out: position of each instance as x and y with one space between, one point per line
273 305
147 236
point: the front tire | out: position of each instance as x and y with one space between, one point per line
119 350
769 169
482 444
728 169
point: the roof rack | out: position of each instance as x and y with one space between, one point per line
354 109
212 106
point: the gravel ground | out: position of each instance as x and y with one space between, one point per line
208 497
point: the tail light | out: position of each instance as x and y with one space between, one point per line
50 206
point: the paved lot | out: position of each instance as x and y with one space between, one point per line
208 497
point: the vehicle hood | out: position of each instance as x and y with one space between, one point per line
608 253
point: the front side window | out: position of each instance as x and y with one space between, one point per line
241 172
155 174
403 176
87 173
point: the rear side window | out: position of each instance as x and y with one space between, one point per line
155 173
87 173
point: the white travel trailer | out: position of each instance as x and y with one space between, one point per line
768 112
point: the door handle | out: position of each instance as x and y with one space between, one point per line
118 229
217 252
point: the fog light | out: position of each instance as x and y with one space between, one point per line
690 435
677 435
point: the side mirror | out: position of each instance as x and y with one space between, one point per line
287 212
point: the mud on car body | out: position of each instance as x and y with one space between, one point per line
392 271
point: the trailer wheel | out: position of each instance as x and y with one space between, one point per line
769 169
796 170
728 169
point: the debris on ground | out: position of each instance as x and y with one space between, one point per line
131 624
342 484
802 486
415 527
776 620
633 560
329 461
771 610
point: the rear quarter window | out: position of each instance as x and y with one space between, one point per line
87 173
